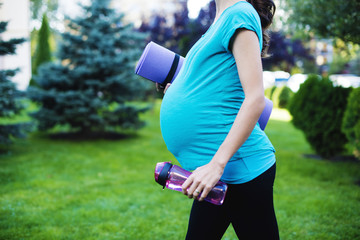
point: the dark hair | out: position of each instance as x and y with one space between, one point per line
266 10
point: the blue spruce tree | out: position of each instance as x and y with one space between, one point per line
10 98
90 89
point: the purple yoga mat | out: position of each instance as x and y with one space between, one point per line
157 64
265 115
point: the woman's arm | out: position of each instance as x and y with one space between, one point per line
159 88
246 51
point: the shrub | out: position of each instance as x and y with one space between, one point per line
317 109
351 121
281 96
269 92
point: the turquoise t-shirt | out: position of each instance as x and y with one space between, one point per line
201 105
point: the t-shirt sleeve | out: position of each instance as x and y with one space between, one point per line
238 18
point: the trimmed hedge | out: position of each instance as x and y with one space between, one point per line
269 92
281 96
318 109
351 121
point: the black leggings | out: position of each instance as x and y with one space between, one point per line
248 207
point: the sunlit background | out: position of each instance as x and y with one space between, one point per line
136 12
80 134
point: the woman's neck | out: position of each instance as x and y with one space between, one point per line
221 5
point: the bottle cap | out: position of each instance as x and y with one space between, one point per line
161 172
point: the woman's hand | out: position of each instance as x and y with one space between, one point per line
159 87
202 180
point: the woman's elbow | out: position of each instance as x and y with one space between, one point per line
257 102
261 102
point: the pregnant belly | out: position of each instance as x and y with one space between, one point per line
191 129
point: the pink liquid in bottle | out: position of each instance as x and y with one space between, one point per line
172 177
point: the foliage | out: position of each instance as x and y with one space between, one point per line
90 89
351 121
40 7
327 18
162 33
8 46
354 65
10 106
197 27
318 113
181 35
269 92
343 56
43 51
56 189
10 97
282 96
286 52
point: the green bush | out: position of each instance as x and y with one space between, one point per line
281 96
351 121
269 92
318 109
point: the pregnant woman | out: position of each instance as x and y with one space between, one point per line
209 123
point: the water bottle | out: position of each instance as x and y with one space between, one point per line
172 177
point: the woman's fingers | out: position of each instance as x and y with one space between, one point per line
205 192
186 185
167 86
189 187
159 87
200 182
192 188
198 192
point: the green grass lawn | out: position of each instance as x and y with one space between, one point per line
63 189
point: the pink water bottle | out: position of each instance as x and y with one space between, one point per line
172 177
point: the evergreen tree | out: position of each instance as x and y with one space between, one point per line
90 89
10 97
43 52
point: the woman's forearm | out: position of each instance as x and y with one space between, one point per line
241 129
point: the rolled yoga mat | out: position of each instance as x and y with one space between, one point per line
265 115
161 65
